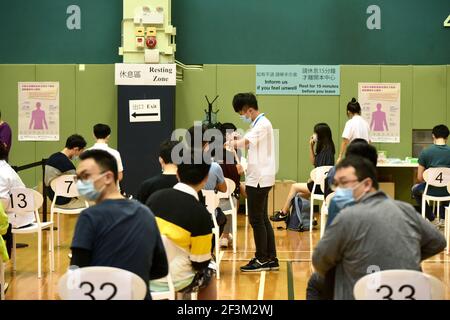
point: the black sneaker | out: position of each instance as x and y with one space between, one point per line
273 265
255 266
279 216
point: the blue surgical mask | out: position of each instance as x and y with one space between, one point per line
343 197
245 119
87 189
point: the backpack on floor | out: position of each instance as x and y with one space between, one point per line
298 218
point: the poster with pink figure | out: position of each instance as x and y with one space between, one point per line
380 107
38 111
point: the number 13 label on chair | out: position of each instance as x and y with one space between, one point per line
95 286
416 288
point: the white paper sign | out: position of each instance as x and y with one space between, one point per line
145 110
99 286
128 74
415 288
38 111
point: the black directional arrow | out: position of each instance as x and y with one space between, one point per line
144 114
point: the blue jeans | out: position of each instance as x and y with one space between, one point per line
417 192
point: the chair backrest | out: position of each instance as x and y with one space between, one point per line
399 285
211 200
437 177
24 200
65 186
231 186
318 175
101 283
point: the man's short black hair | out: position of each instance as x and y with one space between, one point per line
194 131
101 131
75 141
165 150
104 160
243 101
440 131
190 170
360 147
364 168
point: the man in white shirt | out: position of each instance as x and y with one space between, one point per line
102 132
259 141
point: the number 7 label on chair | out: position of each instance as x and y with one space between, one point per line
95 286
417 288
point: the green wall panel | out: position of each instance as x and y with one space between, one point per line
403 75
96 101
190 96
313 110
429 96
24 152
65 75
350 77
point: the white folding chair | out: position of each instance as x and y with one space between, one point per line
64 186
171 252
318 176
101 283
231 186
2 279
24 201
399 285
324 213
212 202
437 177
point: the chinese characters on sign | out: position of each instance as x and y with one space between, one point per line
38 111
297 80
380 104
127 74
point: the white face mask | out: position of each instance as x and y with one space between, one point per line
314 137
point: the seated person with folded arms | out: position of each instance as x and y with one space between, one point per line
166 179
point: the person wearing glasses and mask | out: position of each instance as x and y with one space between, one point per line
375 231
115 232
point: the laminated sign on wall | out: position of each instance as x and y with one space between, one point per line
145 110
380 107
38 111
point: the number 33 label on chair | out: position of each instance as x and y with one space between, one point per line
414 289
95 286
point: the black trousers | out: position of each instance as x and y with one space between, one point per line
8 239
259 220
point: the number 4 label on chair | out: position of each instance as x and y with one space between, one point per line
447 22
415 289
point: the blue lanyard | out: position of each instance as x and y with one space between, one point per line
257 119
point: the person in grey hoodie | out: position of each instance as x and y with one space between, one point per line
375 231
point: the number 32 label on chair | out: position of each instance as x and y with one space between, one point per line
413 289
95 286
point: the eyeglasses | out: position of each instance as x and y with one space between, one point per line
336 184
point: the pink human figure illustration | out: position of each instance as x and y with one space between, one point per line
378 120
38 117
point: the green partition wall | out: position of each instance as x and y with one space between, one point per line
88 97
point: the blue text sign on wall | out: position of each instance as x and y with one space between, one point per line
313 80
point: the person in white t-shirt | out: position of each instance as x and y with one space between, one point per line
260 178
102 132
355 128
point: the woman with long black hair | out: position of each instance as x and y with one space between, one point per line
321 153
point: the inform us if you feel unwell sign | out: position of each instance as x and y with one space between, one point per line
315 80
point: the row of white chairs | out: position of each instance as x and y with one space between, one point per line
107 283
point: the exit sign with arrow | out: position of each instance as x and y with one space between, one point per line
145 110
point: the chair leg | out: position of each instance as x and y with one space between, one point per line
58 227
217 249
39 253
13 252
2 280
322 221
246 207
52 246
311 216
423 206
234 231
